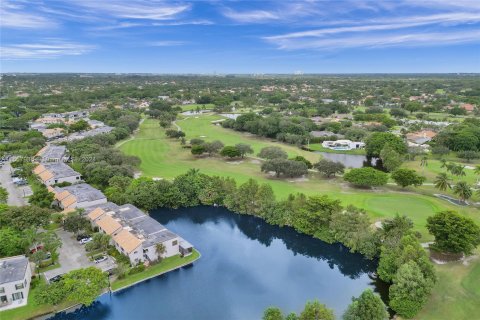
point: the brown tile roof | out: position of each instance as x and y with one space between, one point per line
68 201
108 224
45 175
50 189
98 212
39 169
62 195
41 151
127 240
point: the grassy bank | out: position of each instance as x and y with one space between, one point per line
166 265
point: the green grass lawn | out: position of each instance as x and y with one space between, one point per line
456 295
163 157
32 309
457 289
166 265
190 107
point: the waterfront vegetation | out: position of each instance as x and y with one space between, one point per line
154 270
165 158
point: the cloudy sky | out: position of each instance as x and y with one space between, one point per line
240 36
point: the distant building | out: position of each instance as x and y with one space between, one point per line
50 134
51 153
57 172
419 138
322 134
90 133
467 107
80 195
343 145
15 277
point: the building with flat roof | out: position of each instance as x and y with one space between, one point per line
51 153
56 172
15 277
78 196
134 233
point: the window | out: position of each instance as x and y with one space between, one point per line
19 286
17 296
174 242
2 289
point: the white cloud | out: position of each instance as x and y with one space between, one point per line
167 43
42 50
250 16
15 16
381 40
146 10
395 23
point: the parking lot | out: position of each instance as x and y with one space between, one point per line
16 195
73 256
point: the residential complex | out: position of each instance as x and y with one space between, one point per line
15 277
134 233
54 173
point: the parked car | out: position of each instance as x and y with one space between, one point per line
100 259
35 249
56 278
85 240
82 236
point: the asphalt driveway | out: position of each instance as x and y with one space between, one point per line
72 255
15 194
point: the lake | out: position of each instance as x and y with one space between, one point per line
352 160
246 266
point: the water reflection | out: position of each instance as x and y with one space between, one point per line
246 266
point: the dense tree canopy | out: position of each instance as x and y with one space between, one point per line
454 232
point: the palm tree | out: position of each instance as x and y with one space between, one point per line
458 170
442 182
463 190
443 162
477 172
160 249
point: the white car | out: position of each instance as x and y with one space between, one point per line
85 240
100 259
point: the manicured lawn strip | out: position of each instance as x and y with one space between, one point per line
190 107
433 168
166 265
457 292
32 310
319 147
456 295
165 158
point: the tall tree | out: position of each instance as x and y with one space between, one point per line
315 310
272 313
410 290
442 182
368 306
463 191
454 232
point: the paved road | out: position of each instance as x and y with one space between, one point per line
72 255
15 194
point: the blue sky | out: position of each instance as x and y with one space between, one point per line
354 36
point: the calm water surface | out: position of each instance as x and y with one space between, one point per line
352 160
246 266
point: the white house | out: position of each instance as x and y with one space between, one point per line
56 172
15 277
80 195
136 234
343 145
